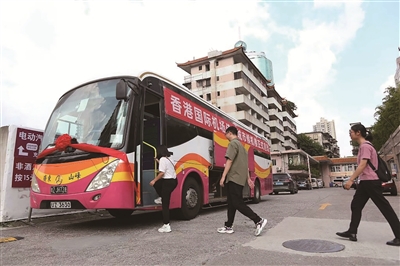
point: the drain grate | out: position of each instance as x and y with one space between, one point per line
313 245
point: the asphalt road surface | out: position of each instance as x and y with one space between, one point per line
98 239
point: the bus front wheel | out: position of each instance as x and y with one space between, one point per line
191 199
120 213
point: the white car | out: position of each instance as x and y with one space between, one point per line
314 183
320 183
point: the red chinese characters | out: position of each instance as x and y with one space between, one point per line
25 151
178 106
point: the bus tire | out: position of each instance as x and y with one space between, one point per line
191 199
120 213
257 192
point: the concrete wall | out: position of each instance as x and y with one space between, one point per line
14 202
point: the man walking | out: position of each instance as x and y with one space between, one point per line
234 177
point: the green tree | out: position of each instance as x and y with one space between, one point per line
309 145
387 117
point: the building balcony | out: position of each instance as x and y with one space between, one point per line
275 123
243 87
276 135
272 101
287 115
290 135
277 147
289 145
245 103
199 76
289 125
246 118
276 113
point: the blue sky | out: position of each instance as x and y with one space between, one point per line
332 58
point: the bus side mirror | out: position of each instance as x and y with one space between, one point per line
121 90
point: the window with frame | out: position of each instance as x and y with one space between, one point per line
200 67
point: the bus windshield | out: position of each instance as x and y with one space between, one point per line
91 114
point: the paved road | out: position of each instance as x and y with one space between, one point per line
98 239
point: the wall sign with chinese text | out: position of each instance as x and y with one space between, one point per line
25 151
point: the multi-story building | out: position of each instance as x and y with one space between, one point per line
332 168
329 143
325 126
231 81
295 162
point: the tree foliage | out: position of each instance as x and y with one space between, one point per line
387 117
309 145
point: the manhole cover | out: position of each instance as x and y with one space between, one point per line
313 245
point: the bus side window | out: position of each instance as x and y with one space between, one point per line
179 132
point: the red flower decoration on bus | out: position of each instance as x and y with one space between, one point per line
63 142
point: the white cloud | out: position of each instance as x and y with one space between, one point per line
311 63
48 47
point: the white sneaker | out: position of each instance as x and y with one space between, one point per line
225 230
158 200
166 228
260 226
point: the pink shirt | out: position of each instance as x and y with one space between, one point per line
367 152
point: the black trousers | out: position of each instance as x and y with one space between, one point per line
372 189
164 188
236 202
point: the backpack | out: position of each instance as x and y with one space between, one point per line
383 170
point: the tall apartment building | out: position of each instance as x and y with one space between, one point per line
230 81
329 143
325 126
263 64
397 75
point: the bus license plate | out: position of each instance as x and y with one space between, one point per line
58 190
279 183
60 205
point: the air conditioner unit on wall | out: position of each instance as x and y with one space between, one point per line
278 169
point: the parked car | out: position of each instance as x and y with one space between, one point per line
320 183
314 183
304 184
390 187
354 185
338 182
283 182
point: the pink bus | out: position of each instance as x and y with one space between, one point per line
98 148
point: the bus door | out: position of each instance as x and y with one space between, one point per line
151 139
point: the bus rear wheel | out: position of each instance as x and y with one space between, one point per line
120 213
191 199
257 192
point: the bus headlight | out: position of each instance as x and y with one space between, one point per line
103 178
34 184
